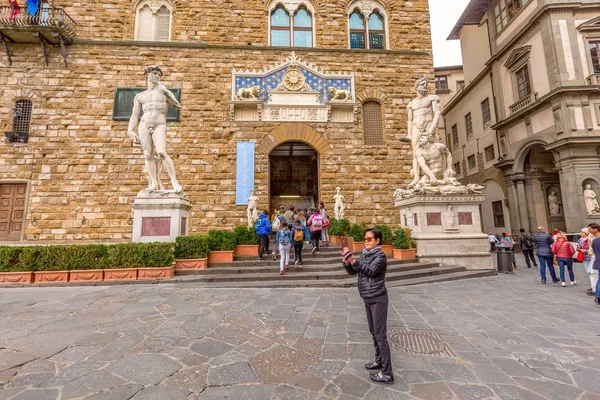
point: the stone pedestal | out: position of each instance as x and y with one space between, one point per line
160 216
452 235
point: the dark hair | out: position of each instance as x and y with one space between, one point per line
322 204
503 234
266 212
292 208
376 234
521 230
297 221
594 225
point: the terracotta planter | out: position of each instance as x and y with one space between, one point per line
216 257
50 276
346 241
16 278
191 263
246 250
90 275
358 246
387 249
335 239
156 273
121 274
408 254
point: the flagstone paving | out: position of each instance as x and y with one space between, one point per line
505 337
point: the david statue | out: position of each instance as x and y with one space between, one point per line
154 102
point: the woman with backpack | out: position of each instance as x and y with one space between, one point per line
315 222
325 230
298 238
284 241
563 250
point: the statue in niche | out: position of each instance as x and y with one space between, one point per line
252 210
591 201
338 208
152 130
450 219
553 204
424 114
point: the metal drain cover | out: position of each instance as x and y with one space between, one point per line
425 343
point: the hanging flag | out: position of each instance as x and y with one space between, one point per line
14 9
33 6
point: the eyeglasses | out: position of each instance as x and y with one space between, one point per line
369 239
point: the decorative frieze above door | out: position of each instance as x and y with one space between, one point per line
293 91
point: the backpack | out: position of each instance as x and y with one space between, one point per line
285 237
276 224
529 241
257 225
317 222
299 235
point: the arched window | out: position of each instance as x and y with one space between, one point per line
280 27
367 22
153 21
303 28
372 123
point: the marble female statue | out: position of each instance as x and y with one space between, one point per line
338 208
591 201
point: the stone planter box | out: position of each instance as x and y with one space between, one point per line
408 254
191 263
387 249
358 246
246 250
334 239
122 274
90 275
216 257
346 241
156 273
16 278
50 276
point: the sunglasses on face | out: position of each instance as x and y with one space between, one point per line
369 239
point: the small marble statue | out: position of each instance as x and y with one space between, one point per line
424 113
553 204
340 94
591 201
154 102
252 210
338 208
450 219
247 93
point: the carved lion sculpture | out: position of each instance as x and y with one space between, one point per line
340 94
247 93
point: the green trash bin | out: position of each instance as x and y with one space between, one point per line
505 257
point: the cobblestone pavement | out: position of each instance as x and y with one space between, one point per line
505 337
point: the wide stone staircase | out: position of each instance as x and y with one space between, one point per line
318 270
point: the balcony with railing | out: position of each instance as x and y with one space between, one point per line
522 103
593 79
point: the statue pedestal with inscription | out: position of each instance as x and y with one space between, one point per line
447 228
160 216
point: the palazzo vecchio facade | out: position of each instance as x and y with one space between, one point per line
314 93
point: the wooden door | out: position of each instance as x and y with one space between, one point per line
12 210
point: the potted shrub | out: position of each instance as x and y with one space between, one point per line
357 235
85 263
334 231
45 262
246 241
388 239
191 252
403 249
222 246
156 260
344 230
11 271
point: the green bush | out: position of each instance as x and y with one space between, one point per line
140 255
400 240
334 227
244 235
344 225
386 231
412 243
221 241
191 247
9 258
357 233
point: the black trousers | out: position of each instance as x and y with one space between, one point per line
377 319
264 245
298 251
528 254
315 236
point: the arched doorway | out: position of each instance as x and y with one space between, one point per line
293 176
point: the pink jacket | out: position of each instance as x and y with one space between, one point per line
563 249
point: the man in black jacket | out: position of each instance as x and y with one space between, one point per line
526 242
371 269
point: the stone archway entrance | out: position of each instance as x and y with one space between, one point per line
293 176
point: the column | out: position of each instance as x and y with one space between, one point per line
513 204
523 206
531 205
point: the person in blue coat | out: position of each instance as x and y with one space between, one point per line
263 229
543 243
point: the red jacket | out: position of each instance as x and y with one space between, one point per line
563 249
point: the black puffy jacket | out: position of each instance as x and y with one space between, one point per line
371 269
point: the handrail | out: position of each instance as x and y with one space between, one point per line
50 17
593 79
522 103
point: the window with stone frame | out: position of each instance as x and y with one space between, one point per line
523 82
460 85
291 24
376 31
303 28
372 123
367 25
153 21
455 136
22 116
469 126
457 168
498 212
489 153
505 11
281 31
486 113
471 162
441 83
595 55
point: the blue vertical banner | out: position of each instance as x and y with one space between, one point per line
244 172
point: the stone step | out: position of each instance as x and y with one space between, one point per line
299 275
264 267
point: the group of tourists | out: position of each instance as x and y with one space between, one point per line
556 250
292 229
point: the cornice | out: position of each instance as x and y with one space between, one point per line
466 90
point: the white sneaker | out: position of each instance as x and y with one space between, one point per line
573 283
296 265
563 284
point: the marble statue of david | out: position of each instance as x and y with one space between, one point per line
154 102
